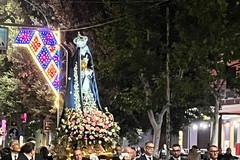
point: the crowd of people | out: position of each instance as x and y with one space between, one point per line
213 153
25 152
175 153
147 153
28 152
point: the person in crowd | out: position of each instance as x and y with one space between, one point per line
117 153
118 150
45 153
37 156
141 151
164 152
194 154
77 154
27 151
11 153
212 153
228 155
220 154
148 152
176 152
131 153
134 155
31 139
138 152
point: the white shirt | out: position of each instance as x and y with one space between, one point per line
149 157
13 155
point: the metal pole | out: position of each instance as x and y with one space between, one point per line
58 116
168 125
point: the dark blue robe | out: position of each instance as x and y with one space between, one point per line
69 99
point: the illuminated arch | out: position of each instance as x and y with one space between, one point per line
44 47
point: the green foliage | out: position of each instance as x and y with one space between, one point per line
202 34
207 43
8 85
22 88
125 54
35 96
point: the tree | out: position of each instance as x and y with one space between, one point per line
9 83
22 87
207 44
135 76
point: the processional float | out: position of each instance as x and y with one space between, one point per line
84 123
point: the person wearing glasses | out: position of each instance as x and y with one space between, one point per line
148 152
212 153
176 153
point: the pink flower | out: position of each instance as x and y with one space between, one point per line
71 134
91 137
105 127
81 128
97 113
88 127
92 118
97 129
93 124
73 122
85 113
85 121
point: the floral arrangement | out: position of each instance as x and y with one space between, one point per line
89 126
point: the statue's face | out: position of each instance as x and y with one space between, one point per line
81 41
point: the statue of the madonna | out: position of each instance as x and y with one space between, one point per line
82 88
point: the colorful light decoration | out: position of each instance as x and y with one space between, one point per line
44 46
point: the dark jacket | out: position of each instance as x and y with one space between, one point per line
181 158
22 157
143 157
38 156
6 154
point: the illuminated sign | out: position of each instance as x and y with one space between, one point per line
3 38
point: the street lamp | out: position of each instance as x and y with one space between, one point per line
193 133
